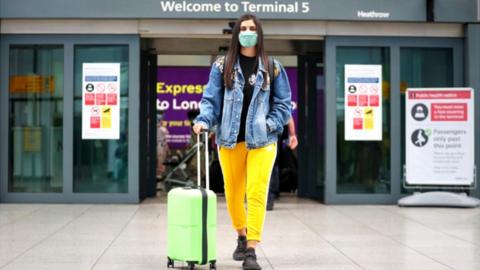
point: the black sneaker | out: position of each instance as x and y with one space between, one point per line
250 261
239 253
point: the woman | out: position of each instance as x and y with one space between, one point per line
237 98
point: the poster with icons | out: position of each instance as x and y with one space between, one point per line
439 136
101 101
363 102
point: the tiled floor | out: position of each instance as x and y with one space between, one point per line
299 234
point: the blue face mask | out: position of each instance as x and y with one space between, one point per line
248 39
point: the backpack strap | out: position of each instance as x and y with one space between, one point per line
223 70
271 74
223 89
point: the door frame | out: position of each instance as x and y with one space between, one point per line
310 183
394 44
147 122
68 42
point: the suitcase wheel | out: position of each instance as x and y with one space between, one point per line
191 266
213 265
170 263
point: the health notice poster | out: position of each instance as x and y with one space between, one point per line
363 102
439 136
101 101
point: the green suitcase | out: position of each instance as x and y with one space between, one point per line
192 222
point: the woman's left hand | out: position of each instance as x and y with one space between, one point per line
293 142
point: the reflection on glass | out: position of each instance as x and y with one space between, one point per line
36 118
101 166
363 166
422 67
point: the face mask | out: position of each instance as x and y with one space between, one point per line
248 39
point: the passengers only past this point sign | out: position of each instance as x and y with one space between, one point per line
439 136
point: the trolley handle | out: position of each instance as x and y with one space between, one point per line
207 174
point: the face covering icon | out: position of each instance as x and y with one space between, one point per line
248 39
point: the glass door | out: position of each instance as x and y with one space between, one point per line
423 67
359 171
311 126
101 166
363 166
44 158
36 118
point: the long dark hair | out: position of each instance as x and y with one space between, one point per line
234 49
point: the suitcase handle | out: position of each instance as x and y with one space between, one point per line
207 174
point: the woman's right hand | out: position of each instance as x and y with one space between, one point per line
197 128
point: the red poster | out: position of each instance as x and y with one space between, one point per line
352 100
449 112
357 123
374 101
94 122
112 99
454 94
100 99
89 99
363 100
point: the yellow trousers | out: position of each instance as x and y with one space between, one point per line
247 172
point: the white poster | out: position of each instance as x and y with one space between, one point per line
101 101
363 102
439 136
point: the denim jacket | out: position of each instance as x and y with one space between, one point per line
264 121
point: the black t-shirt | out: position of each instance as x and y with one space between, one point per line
249 71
